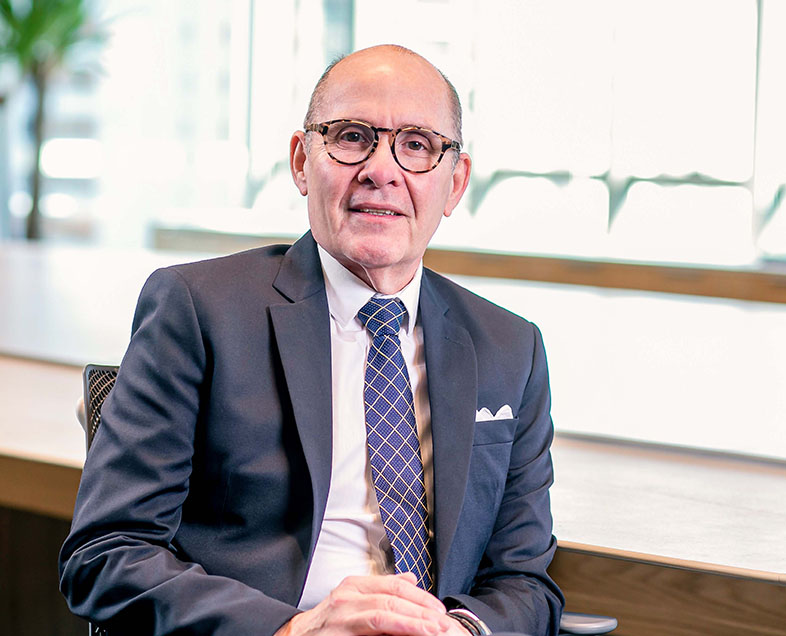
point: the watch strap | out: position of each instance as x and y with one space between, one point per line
470 621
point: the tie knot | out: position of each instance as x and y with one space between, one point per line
382 316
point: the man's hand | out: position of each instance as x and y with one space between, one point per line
369 605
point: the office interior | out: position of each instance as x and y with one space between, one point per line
628 196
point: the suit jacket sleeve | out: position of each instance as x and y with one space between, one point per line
512 590
120 565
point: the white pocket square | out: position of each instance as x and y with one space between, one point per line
504 413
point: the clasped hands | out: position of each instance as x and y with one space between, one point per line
369 605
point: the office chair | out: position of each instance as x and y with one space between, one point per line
98 382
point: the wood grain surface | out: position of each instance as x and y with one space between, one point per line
659 600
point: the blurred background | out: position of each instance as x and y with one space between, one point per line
603 134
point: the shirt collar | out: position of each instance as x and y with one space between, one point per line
346 293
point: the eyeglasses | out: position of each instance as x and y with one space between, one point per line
415 149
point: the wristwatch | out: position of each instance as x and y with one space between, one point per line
470 621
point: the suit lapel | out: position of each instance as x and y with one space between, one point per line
452 387
302 334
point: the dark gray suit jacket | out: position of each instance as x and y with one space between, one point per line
204 490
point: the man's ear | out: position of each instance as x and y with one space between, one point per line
459 183
297 160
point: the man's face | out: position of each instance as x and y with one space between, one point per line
349 207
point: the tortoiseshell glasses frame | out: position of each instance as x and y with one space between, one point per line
426 147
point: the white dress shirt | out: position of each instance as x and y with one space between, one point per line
352 540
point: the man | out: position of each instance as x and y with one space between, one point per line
243 480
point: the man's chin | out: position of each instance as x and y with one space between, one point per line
381 262
374 253
382 271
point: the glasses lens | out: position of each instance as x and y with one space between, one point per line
418 149
350 142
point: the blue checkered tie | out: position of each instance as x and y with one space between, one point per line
393 447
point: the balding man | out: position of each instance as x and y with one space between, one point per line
327 437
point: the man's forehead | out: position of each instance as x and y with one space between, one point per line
401 88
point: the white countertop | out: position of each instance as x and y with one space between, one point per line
674 505
625 364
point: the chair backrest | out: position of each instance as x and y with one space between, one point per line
98 381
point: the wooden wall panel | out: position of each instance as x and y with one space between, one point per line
30 601
37 486
652 599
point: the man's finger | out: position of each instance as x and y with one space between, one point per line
398 585
380 621
349 603
374 605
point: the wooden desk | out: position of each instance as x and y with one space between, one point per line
645 533
693 509
670 541
42 446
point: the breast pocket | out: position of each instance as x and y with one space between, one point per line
491 448
494 432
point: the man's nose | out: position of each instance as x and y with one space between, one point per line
381 167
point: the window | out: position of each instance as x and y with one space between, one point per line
611 131
634 130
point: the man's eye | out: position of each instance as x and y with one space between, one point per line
414 144
352 136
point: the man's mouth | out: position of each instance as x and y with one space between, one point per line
376 212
